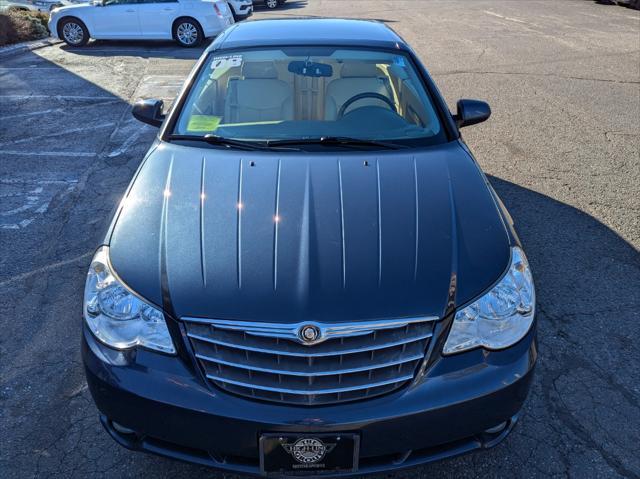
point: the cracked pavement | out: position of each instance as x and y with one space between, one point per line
562 149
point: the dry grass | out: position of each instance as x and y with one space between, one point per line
21 26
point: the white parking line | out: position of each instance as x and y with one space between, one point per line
32 67
79 154
59 133
511 19
56 97
136 50
41 112
58 264
33 200
503 17
58 110
20 181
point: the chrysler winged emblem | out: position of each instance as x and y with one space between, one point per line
309 333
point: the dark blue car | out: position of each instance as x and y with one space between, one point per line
309 273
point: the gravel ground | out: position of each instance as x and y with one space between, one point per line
562 149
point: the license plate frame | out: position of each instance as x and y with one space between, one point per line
284 454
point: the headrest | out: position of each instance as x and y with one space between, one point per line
359 69
259 70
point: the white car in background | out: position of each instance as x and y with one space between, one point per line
241 9
270 4
34 5
188 22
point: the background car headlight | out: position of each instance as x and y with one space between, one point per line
501 317
116 316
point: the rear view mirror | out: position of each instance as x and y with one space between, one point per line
149 111
311 69
471 112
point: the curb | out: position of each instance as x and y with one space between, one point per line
27 46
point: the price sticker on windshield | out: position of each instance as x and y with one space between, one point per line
203 123
228 61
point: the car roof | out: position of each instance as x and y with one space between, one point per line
305 31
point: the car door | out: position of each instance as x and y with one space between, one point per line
157 16
117 19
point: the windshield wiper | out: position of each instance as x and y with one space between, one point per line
336 141
270 144
221 140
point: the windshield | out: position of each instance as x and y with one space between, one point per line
305 93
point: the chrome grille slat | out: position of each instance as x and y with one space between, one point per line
270 361
311 391
310 373
301 354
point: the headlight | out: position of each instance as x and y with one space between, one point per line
116 316
500 317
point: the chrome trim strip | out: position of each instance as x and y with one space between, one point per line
397 362
291 331
306 355
307 392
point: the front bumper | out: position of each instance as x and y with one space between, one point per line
244 11
213 24
175 413
53 25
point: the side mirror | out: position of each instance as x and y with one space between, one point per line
471 112
149 111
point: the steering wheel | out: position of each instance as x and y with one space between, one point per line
360 96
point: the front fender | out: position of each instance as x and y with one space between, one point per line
86 15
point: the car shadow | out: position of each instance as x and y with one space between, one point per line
566 248
138 48
289 5
623 3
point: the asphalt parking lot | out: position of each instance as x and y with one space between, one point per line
562 149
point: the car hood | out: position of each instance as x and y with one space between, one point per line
291 237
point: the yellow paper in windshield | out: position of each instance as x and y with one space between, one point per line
203 123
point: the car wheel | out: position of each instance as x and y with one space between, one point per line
187 32
271 4
73 32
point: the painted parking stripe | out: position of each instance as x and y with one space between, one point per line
59 133
56 97
60 110
79 154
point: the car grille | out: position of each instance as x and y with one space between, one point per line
348 362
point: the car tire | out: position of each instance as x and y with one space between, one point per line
271 4
187 32
73 32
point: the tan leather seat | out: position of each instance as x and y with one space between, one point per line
258 96
355 78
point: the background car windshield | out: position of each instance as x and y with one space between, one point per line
307 93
